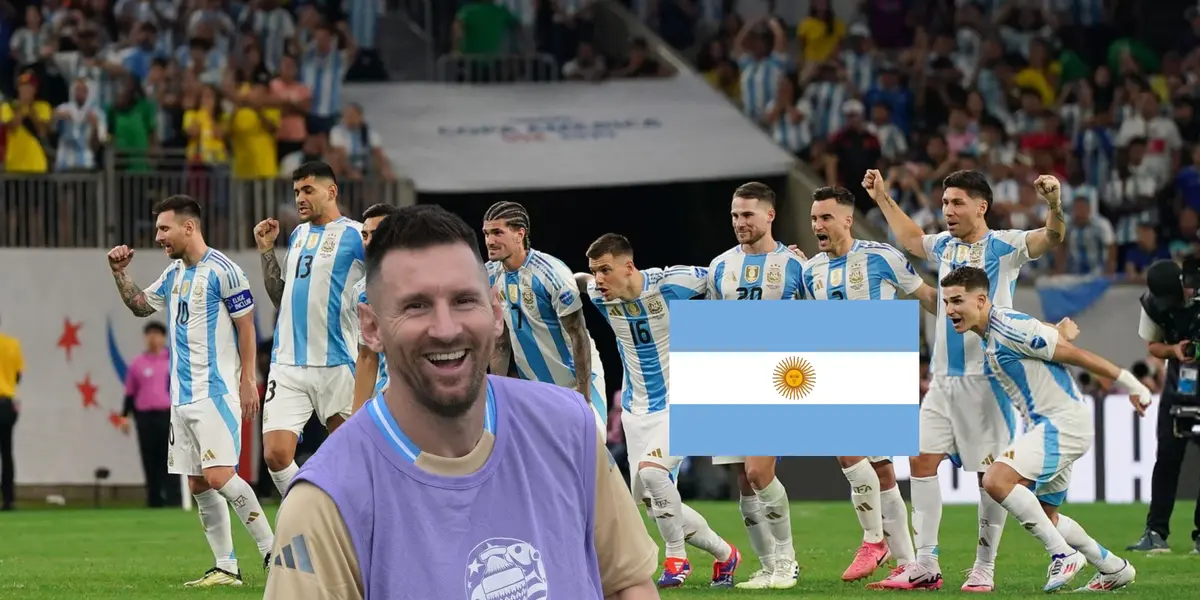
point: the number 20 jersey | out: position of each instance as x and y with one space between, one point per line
642 329
774 275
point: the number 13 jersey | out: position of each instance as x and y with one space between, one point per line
318 315
642 329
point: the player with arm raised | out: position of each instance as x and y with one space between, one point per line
961 418
759 268
546 337
370 370
316 331
635 304
850 269
210 321
1024 361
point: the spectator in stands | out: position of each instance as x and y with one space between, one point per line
763 59
252 132
27 42
294 99
1144 253
26 121
587 65
132 120
855 150
640 64
1160 133
787 119
357 149
81 129
1089 247
276 29
1130 197
483 28
572 22
323 68
819 35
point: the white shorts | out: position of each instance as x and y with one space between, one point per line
646 438
206 433
293 393
1045 453
962 418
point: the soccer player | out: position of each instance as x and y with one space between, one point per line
635 304
1024 360
850 269
454 484
316 332
210 316
546 337
370 370
759 268
960 416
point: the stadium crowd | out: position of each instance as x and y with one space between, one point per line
1015 89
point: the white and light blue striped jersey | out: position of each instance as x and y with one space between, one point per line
1000 254
1020 365
324 74
760 81
364 20
381 378
318 319
642 329
77 136
201 303
535 299
869 271
774 275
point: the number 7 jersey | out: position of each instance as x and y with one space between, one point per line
642 329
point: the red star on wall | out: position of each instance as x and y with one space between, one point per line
115 419
87 390
70 337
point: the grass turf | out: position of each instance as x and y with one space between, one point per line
135 554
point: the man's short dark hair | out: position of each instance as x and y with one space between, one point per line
513 214
379 210
155 326
836 192
610 243
315 169
181 204
973 279
417 227
755 191
972 182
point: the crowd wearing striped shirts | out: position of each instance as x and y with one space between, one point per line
1011 89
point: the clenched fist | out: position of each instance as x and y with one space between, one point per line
1049 189
874 184
119 258
265 233
1067 329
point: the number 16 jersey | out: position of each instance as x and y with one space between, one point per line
642 328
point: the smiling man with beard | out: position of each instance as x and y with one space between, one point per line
463 485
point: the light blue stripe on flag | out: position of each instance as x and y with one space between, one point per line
809 326
794 378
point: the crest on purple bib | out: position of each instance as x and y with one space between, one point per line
505 569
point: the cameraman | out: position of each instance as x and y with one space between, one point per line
1169 317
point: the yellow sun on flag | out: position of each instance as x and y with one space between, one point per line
794 378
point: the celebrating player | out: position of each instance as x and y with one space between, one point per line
370 370
960 416
208 354
759 268
635 304
546 337
850 269
312 363
1025 359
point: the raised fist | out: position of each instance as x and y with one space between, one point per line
119 258
1049 189
265 233
874 184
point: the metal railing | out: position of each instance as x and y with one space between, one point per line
506 68
111 206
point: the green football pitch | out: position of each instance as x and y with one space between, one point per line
132 554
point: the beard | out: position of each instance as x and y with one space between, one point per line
446 403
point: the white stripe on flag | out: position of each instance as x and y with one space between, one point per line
836 378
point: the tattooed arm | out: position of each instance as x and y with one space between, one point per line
273 275
908 233
581 351
1043 240
132 295
502 357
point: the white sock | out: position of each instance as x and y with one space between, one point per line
1097 555
697 533
895 526
1025 507
927 519
761 540
284 478
214 517
778 514
667 508
992 517
864 494
246 505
